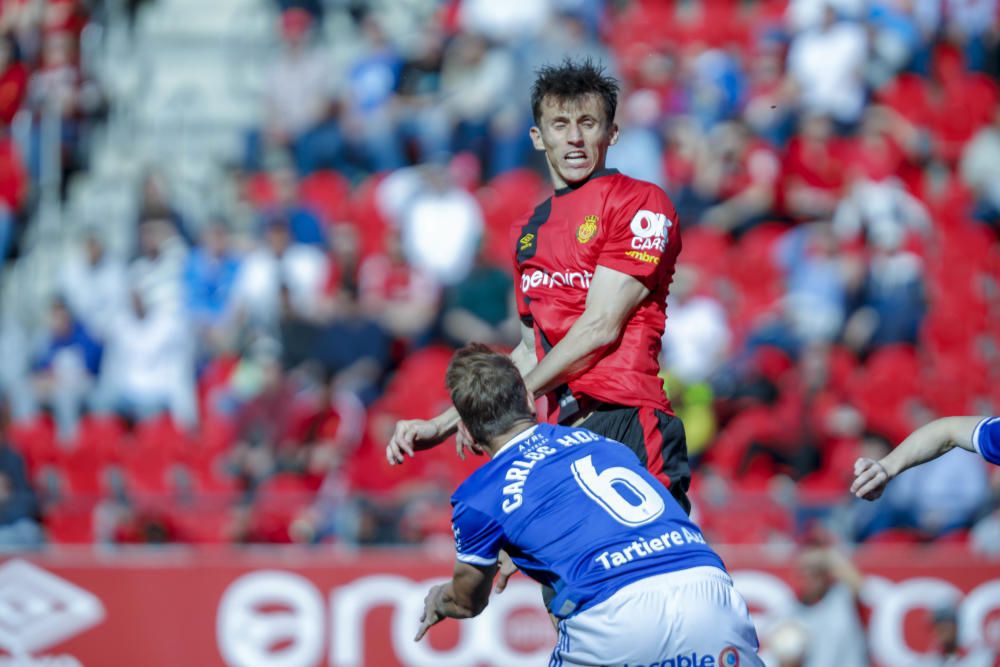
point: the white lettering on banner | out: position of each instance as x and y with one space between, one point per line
44 661
247 636
40 610
539 278
482 640
246 633
893 601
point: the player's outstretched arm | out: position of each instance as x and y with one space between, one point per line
413 435
465 596
926 443
611 300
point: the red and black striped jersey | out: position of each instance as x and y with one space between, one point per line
613 221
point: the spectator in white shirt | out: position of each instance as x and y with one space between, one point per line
93 282
158 272
149 366
277 262
441 228
980 169
826 63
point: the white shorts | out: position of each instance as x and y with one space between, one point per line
688 618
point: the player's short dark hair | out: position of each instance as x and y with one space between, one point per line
487 391
571 80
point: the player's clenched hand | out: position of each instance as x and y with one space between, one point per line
410 435
431 615
870 479
505 571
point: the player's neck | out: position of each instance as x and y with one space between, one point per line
519 427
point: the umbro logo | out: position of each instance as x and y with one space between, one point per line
38 610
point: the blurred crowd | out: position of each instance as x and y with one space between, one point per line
835 166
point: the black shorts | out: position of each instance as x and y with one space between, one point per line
656 438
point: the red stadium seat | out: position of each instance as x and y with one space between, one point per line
35 439
70 523
895 536
102 437
328 194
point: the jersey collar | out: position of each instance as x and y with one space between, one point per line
523 435
576 186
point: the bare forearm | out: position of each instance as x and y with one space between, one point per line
929 442
451 606
576 353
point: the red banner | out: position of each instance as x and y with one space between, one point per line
325 608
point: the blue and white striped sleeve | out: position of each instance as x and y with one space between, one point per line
986 439
478 537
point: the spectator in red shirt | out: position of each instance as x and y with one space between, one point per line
13 80
402 298
13 191
814 170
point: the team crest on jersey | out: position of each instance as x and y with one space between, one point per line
730 657
587 229
525 241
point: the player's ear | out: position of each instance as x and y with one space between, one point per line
536 138
613 138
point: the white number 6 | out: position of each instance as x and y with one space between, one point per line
601 489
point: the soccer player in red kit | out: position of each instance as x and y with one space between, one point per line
593 264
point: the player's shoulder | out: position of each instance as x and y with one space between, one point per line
476 486
629 185
630 195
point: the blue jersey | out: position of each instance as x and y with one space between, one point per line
986 439
576 512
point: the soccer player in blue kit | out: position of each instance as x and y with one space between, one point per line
976 434
635 583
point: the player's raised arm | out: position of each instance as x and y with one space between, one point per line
465 596
926 443
611 299
413 435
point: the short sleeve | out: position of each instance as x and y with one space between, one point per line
643 236
478 538
986 439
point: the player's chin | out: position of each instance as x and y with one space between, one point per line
573 174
